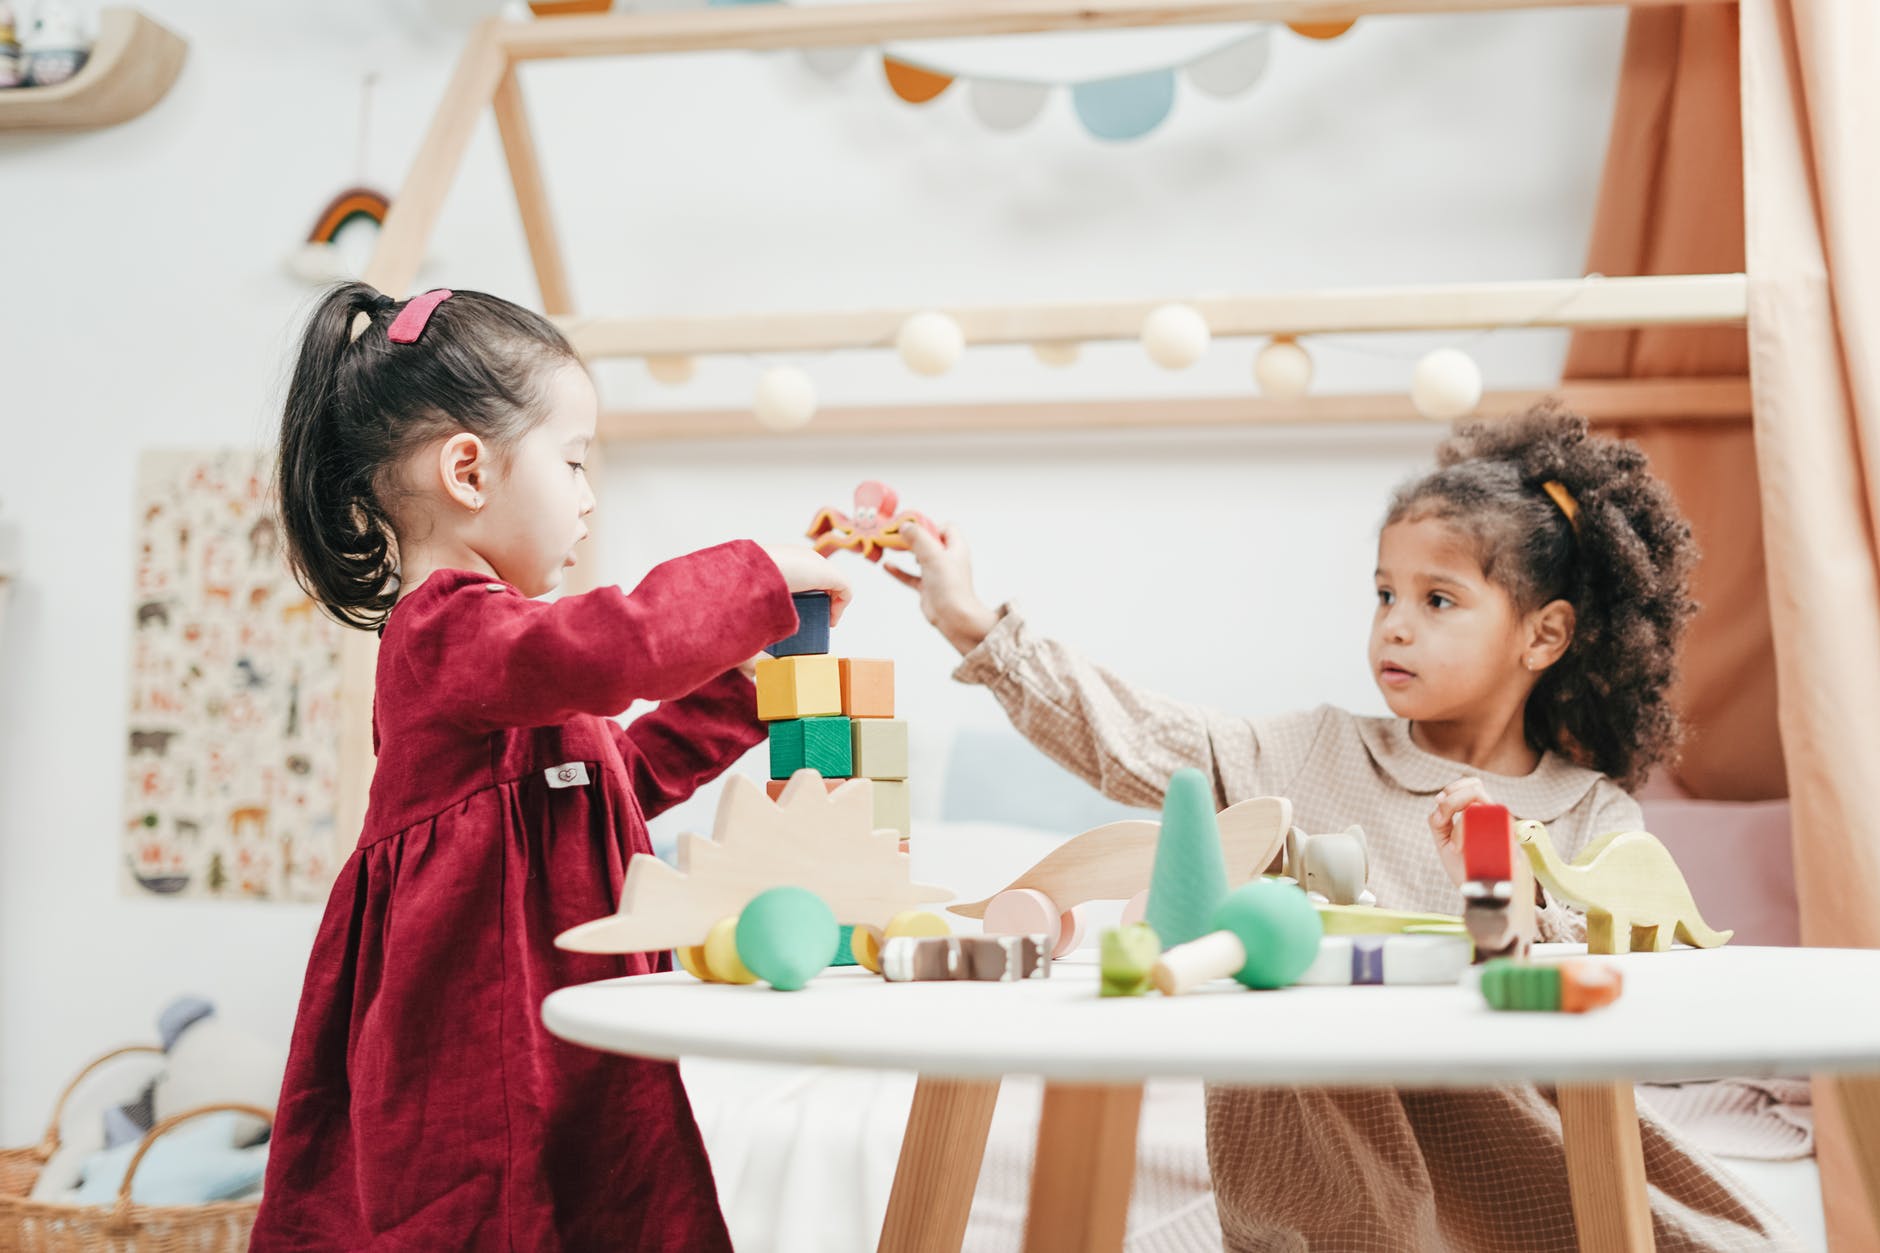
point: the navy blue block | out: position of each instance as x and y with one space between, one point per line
812 627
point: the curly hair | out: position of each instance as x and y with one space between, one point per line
1624 565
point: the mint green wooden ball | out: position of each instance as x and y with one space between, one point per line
786 937
1277 926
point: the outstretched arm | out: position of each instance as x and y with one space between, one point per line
1123 740
672 751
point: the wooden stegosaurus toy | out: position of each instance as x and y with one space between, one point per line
1634 896
810 837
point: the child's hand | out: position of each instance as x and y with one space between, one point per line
805 571
749 668
945 584
1446 824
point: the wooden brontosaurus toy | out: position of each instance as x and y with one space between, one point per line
1632 891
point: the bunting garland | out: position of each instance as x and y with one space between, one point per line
1115 108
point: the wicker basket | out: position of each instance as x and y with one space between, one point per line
124 1227
19 1168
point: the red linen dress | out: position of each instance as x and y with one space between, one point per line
425 1107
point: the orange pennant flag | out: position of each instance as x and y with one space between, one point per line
913 84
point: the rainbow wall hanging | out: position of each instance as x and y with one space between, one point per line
319 259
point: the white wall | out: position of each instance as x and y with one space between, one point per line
146 306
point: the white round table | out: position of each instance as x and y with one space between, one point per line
1685 1014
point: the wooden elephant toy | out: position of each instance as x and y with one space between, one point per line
1333 869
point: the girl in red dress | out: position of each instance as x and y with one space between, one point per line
431 487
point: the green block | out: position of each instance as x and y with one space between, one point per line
1189 880
819 744
1129 954
1508 984
845 956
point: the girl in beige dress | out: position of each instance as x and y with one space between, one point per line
1531 591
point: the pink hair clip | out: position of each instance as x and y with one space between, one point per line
409 324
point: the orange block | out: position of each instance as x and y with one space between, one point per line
775 786
867 687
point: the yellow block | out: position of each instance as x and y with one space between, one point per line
808 686
893 808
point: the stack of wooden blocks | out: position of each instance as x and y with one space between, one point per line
833 715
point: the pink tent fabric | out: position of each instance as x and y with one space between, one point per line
1811 109
1671 202
1757 154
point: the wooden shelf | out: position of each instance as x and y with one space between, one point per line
131 67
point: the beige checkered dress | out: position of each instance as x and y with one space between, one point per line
1364 1169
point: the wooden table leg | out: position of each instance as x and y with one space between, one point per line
939 1166
1086 1163
1605 1167
1860 1110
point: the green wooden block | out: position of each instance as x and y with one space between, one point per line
819 744
1129 954
845 955
1513 985
880 748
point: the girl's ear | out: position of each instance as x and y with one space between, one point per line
464 468
1549 631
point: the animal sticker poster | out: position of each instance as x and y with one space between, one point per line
234 705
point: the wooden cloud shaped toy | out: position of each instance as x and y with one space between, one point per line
809 837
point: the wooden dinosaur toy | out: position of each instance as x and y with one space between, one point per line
810 837
1634 896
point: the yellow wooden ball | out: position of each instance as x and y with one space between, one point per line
721 953
866 942
692 961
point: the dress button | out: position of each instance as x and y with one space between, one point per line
493 587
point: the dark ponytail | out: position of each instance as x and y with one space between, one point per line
1625 567
359 404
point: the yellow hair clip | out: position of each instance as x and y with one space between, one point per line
1562 497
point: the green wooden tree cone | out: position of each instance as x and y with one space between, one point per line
786 937
1189 881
